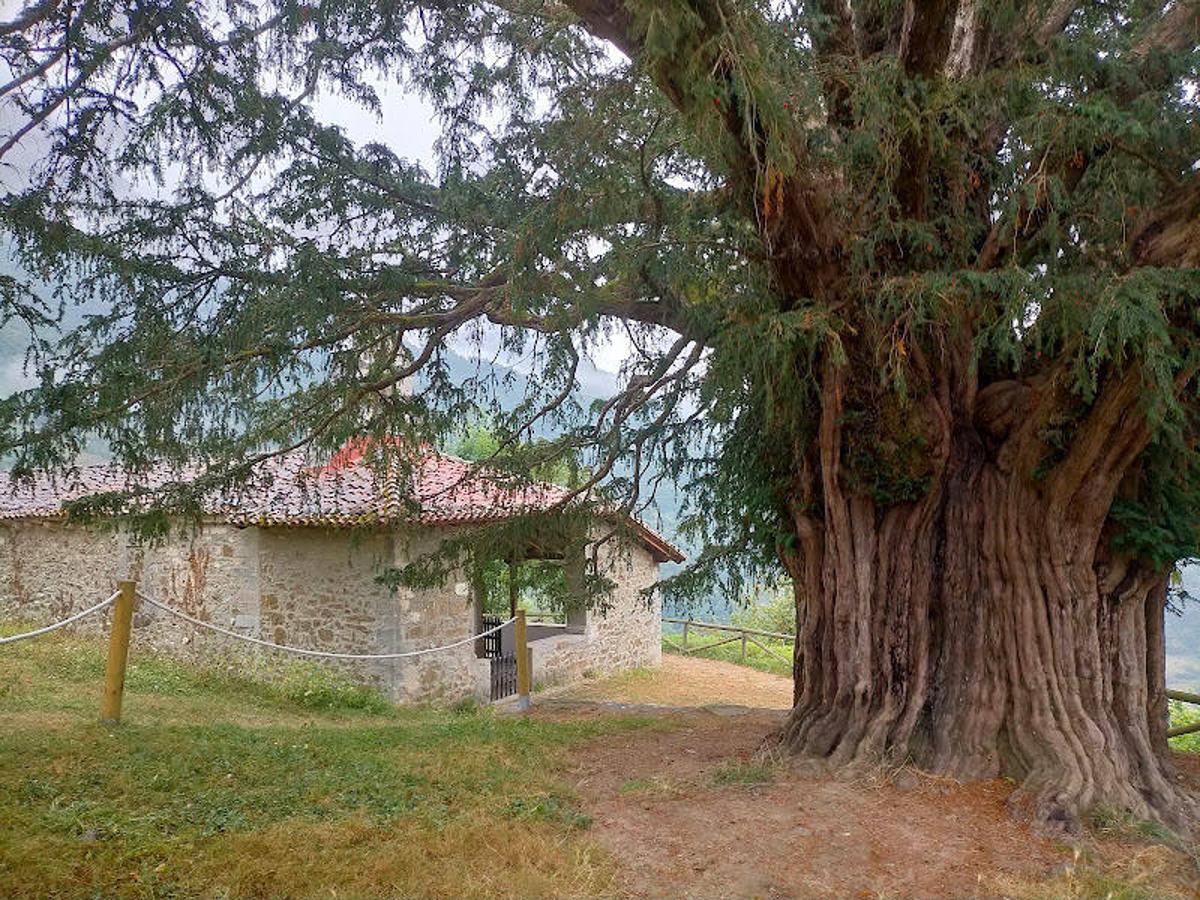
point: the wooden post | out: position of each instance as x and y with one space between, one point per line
118 653
685 631
743 646
524 661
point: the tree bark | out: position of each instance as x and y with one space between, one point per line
987 629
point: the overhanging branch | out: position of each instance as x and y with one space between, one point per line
788 204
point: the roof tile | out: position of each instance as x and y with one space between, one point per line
351 490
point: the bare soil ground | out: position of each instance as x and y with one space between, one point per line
701 809
689 681
697 811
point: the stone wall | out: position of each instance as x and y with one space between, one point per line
625 633
312 588
316 588
49 569
432 617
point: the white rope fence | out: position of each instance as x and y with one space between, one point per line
67 621
321 654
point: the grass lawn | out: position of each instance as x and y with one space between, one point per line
224 787
219 786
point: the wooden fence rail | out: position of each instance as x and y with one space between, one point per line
1183 697
745 635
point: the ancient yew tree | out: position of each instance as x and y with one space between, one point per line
910 289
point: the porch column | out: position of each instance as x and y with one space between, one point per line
576 601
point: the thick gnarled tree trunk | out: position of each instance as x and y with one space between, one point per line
987 629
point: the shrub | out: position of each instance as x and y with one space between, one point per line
316 687
773 611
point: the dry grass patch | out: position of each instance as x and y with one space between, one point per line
358 858
1112 872
655 786
689 681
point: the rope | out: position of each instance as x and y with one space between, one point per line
75 618
319 653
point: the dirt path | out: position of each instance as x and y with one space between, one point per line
698 811
659 806
688 681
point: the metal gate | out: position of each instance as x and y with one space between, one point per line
504 668
504 676
491 642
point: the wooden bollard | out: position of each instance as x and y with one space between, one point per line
118 653
524 661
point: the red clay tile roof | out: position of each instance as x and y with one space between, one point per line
43 497
348 491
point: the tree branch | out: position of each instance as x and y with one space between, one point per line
925 36
833 39
790 208
1178 29
1169 236
609 20
30 16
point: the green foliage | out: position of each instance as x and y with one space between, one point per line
1164 535
890 469
541 585
773 611
235 275
479 442
1185 714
